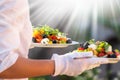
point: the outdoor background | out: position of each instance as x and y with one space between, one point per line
82 20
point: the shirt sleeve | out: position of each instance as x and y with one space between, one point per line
9 34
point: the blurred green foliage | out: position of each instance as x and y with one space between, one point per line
87 75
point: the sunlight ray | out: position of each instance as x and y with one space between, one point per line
114 20
118 3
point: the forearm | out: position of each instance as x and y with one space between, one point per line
24 68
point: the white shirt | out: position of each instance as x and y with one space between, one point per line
15 31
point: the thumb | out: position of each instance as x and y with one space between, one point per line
93 66
82 54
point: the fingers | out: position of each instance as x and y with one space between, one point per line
113 60
98 60
103 61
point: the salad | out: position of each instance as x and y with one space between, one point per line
47 35
99 49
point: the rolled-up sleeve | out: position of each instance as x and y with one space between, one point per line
9 34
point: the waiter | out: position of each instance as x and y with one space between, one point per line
15 40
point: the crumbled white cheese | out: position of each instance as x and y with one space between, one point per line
110 48
45 41
93 46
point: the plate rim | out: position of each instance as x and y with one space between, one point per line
53 45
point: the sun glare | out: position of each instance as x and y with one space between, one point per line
72 13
